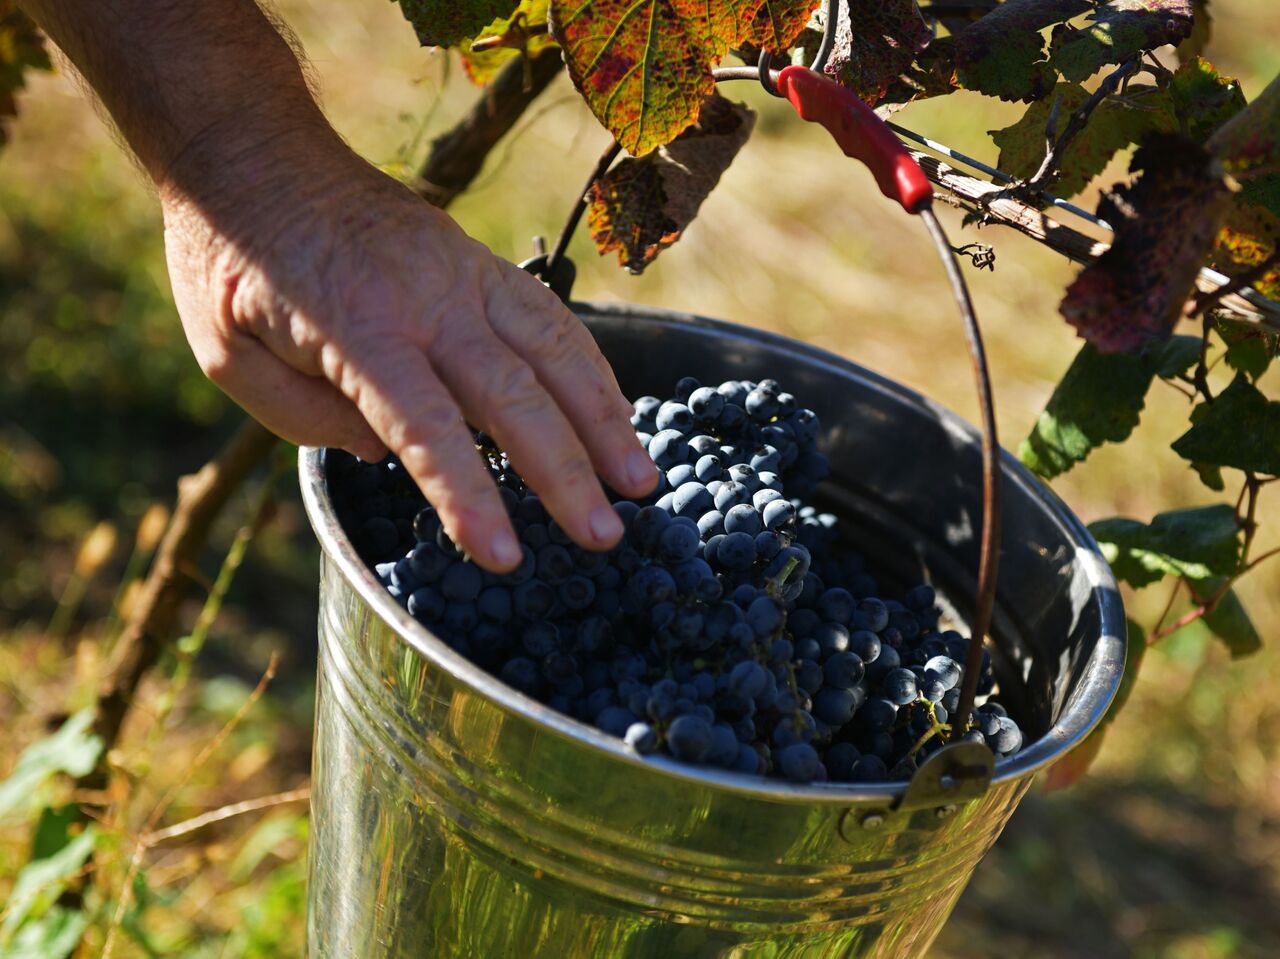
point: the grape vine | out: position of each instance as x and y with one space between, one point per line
1097 77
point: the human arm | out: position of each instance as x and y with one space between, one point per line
327 299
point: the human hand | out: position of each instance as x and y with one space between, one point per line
340 309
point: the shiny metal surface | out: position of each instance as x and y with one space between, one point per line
452 816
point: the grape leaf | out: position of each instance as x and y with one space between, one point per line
641 206
1228 620
1197 543
1118 30
1249 350
1203 98
644 66
1068 770
444 23
876 42
1240 429
1249 146
1097 401
524 33
1165 223
1003 54
21 48
1178 355
1113 125
1210 476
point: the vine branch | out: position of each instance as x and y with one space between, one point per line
457 156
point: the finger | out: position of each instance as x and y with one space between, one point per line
395 388
302 409
501 394
533 322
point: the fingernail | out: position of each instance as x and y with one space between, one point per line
640 469
505 549
604 523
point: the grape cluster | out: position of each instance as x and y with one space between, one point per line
733 626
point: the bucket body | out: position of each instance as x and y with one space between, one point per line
453 816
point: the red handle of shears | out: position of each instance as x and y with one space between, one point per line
859 132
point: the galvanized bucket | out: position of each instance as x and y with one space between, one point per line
453 816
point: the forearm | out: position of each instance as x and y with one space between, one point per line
196 87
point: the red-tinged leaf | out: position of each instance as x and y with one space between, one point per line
641 206
876 42
644 66
1068 770
444 23
1165 222
1113 126
1118 30
524 33
21 49
1003 54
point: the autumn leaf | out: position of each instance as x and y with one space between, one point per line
876 42
524 33
444 23
1165 223
21 48
644 66
641 206
1003 54
1118 30
1249 147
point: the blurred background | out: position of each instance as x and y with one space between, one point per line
1171 846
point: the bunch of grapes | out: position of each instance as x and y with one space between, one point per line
732 627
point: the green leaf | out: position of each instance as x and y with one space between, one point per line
1098 401
444 23
1210 476
1196 543
1112 126
1165 224
1178 355
876 43
1068 770
1229 620
54 935
40 883
1249 350
643 205
644 66
1240 429
1118 30
524 33
1003 54
70 750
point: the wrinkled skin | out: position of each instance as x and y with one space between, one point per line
341 310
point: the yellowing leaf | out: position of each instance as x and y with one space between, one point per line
644 66
21 49
524 33
641 206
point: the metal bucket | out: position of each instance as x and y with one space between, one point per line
453 816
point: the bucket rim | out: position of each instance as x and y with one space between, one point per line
1081 713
